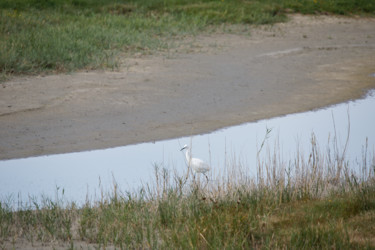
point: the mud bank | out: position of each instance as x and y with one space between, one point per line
226 79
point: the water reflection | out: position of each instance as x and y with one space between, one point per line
85 174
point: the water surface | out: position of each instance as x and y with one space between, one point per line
83 175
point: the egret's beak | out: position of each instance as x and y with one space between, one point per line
183 148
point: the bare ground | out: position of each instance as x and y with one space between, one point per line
213 81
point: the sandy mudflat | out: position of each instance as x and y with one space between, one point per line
214 81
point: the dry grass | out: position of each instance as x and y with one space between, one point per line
316 202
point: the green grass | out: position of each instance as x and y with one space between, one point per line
61 36
196 221
303 204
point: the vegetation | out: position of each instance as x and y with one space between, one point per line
66 35
305 203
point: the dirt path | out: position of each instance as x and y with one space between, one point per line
225 79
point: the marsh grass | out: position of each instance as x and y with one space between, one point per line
61 36
301 203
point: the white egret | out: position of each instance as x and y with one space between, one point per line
196 164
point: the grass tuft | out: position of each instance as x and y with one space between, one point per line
320 238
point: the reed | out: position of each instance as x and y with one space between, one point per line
316 201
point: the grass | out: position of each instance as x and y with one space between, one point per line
305 203
63 36
301 204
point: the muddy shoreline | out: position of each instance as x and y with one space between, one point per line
220 80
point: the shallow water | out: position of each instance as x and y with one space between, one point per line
78 176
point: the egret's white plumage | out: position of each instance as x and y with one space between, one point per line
197 165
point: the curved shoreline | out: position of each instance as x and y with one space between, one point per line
225 80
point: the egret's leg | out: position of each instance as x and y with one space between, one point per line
206 177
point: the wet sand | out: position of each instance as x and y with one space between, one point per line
211 82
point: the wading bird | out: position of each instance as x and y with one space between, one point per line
197 165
